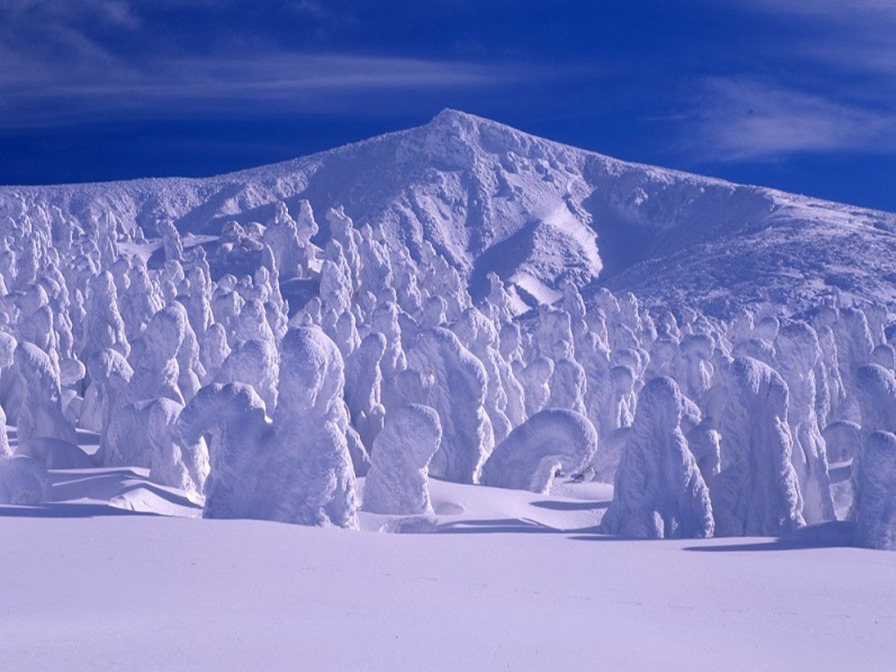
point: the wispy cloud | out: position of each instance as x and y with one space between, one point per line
72 61
820 78
749 120
862 57
283 82
855 9
855 36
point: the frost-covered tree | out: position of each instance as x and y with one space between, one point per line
110 376
757 491
40 412
550 442
478 334
104 327
568 386
5 450
854 346
875 508
282 236
171 241
253 359
398 480
154 356
23 481
536 381
230 419
214 351
140 301
363 389
659 490
455 385
843 440
876 396
311 470
139 435
798 354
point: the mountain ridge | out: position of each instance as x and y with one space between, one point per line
489 197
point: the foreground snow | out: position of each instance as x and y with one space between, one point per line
505 580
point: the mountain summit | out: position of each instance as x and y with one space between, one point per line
492 198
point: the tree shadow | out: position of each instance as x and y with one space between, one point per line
833 534
505 526
594 534
570 506
67 510
88 474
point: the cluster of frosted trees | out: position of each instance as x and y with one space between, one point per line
387 370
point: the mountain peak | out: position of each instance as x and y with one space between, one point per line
450 139
453 139
489 197
470 128
451 116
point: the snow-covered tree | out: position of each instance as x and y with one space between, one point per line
398 479
551 442
757 491
659 490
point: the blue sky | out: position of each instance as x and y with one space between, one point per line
795 94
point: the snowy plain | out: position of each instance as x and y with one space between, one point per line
204 380
502 580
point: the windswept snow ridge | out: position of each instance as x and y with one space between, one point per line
475 304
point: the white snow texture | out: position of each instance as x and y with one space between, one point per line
476 304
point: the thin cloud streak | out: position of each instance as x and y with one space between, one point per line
827 88
854 36
283 82
836 9
93 62
750 120
866 57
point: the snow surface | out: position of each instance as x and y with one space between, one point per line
503 580
425 315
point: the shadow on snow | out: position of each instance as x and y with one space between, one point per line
67 510
833 534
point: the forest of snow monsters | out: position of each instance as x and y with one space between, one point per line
379 365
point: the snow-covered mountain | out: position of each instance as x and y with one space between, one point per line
308 342
490 198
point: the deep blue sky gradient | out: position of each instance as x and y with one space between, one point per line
794 94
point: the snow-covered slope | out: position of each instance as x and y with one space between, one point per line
262 341
425 333
490 198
